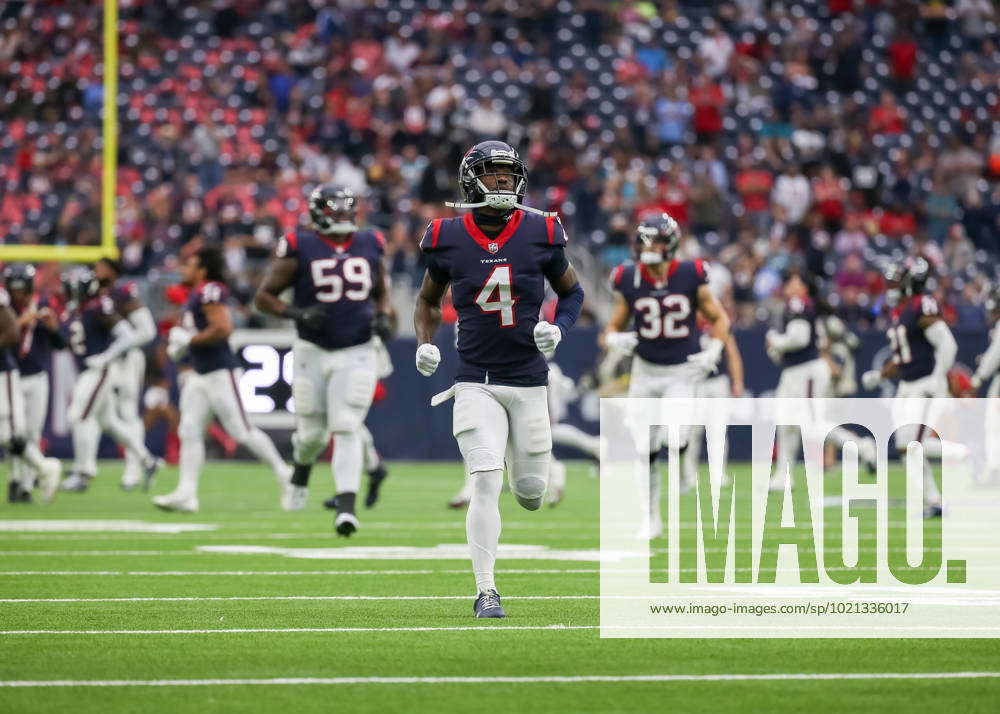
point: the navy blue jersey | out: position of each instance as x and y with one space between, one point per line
34 352
6 357
340 276
911 349
664 310
497 287
89 328
216 355
801 309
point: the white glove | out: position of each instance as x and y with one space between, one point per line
871 379
547 337
428 359
622 342
707 361
775 356
977 382
98 361
178 341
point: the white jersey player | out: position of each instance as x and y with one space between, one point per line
130 369
497 260
210 389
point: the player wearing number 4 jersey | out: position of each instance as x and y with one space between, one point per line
210 389
340 300
923 350
497 261
664 296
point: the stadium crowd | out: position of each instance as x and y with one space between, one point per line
834 133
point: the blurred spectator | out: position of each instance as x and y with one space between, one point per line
791 196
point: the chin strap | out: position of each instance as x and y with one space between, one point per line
481 204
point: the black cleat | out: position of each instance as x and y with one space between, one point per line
345 524
17 494
933 512
330 504
488 605
375 478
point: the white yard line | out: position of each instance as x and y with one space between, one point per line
498 628
186 573
569 679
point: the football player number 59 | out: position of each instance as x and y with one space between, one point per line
496 295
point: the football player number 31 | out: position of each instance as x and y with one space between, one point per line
496 295
357 273
666 321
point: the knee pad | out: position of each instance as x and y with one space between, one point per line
308 441
529 491
307 401
356 401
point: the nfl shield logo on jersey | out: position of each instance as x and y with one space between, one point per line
493 247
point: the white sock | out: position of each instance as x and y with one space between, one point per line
133 464
569 435
263 448
372 459
482 526
347 458
692 455
131 440
932 495
192 459
654 492
86 438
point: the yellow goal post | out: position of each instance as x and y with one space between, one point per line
109 169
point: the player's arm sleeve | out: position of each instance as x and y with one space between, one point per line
568 307
990 362
144 326
124 338
945 348
795 337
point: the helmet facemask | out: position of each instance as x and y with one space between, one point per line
333 211
658 240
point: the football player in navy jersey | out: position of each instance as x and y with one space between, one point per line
24 379
497 261
97 337
923 350
130 368
211 388
664 297
39 326
340 299
804 372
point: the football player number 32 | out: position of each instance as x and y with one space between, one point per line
497 295
357 274
663 318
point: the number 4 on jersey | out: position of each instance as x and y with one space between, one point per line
497 295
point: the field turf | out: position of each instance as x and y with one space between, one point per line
155 622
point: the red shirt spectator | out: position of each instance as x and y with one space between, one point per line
829 193
897 222
903 58
707 99
754 186
887 117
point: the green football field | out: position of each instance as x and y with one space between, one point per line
234 616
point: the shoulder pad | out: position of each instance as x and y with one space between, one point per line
432 235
